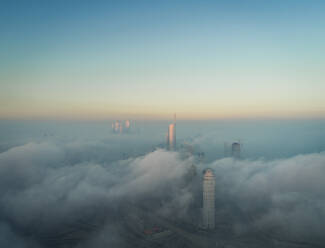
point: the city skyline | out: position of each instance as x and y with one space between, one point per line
147 60
91 154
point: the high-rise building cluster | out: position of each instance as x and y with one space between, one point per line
208 211
121 127
208 182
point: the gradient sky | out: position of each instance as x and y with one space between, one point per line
149 59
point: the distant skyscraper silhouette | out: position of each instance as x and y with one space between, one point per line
209 199
235 150
127 124
117 127
171 135
121 127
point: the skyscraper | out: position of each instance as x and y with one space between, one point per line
235 150
117 127
171 135
209 199
127 124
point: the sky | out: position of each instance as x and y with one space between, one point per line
149 59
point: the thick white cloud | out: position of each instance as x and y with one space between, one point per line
46 185
287 195
42 190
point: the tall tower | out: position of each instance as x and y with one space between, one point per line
235 150
209 184
116 127
127 126
171 135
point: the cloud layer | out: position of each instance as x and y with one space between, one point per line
284 197
49 184
41 192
